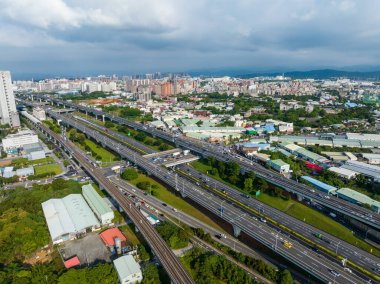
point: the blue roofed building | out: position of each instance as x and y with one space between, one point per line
329 189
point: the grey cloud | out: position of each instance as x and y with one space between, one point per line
179 35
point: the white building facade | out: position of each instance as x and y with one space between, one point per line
18 140
8 112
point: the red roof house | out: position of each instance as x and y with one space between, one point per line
108 237
74 261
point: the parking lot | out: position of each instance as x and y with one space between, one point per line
90 250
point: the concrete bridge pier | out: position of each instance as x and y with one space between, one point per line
299 197
237 231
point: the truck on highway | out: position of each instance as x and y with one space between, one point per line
116 169
320 236
287 244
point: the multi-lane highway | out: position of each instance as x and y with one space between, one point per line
342 248
354 211
172 265
300 255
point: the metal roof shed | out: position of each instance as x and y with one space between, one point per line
97 204
320 185
127 269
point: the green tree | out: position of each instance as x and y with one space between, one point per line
151 275
285 277
248 184
129 174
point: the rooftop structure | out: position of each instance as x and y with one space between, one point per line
127 269
358 198
320 185
97 204
68 217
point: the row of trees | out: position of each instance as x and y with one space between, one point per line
144 138
269 272
230 172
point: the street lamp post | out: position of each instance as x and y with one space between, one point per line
337 245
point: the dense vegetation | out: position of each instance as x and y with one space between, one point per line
206 267
22 223
173 235
269 272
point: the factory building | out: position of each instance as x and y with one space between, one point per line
279 166
367 170
320 185
128 270
15 141
358 198
343 173
68 218
102 211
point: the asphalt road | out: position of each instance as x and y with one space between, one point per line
344 249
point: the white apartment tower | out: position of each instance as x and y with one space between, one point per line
8 112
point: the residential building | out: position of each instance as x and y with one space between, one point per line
128 270
39 113
101 209
8 112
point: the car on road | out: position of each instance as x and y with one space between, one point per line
334 272
263 220
164 204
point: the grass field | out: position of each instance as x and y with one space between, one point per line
23 162
38 170
304 213
105 155
129 234
170 198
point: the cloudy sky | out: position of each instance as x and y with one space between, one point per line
63 37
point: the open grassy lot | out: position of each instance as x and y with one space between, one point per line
170 198
128 232
23 162
105 155
304 213
38 170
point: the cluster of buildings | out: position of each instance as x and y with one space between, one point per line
75 215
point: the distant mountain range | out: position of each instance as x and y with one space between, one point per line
313 74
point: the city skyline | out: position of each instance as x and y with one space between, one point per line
90 38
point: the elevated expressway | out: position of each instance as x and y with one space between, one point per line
169 261
351 210
240 220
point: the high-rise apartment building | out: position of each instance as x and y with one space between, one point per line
8 112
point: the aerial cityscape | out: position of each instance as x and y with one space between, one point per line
167 142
